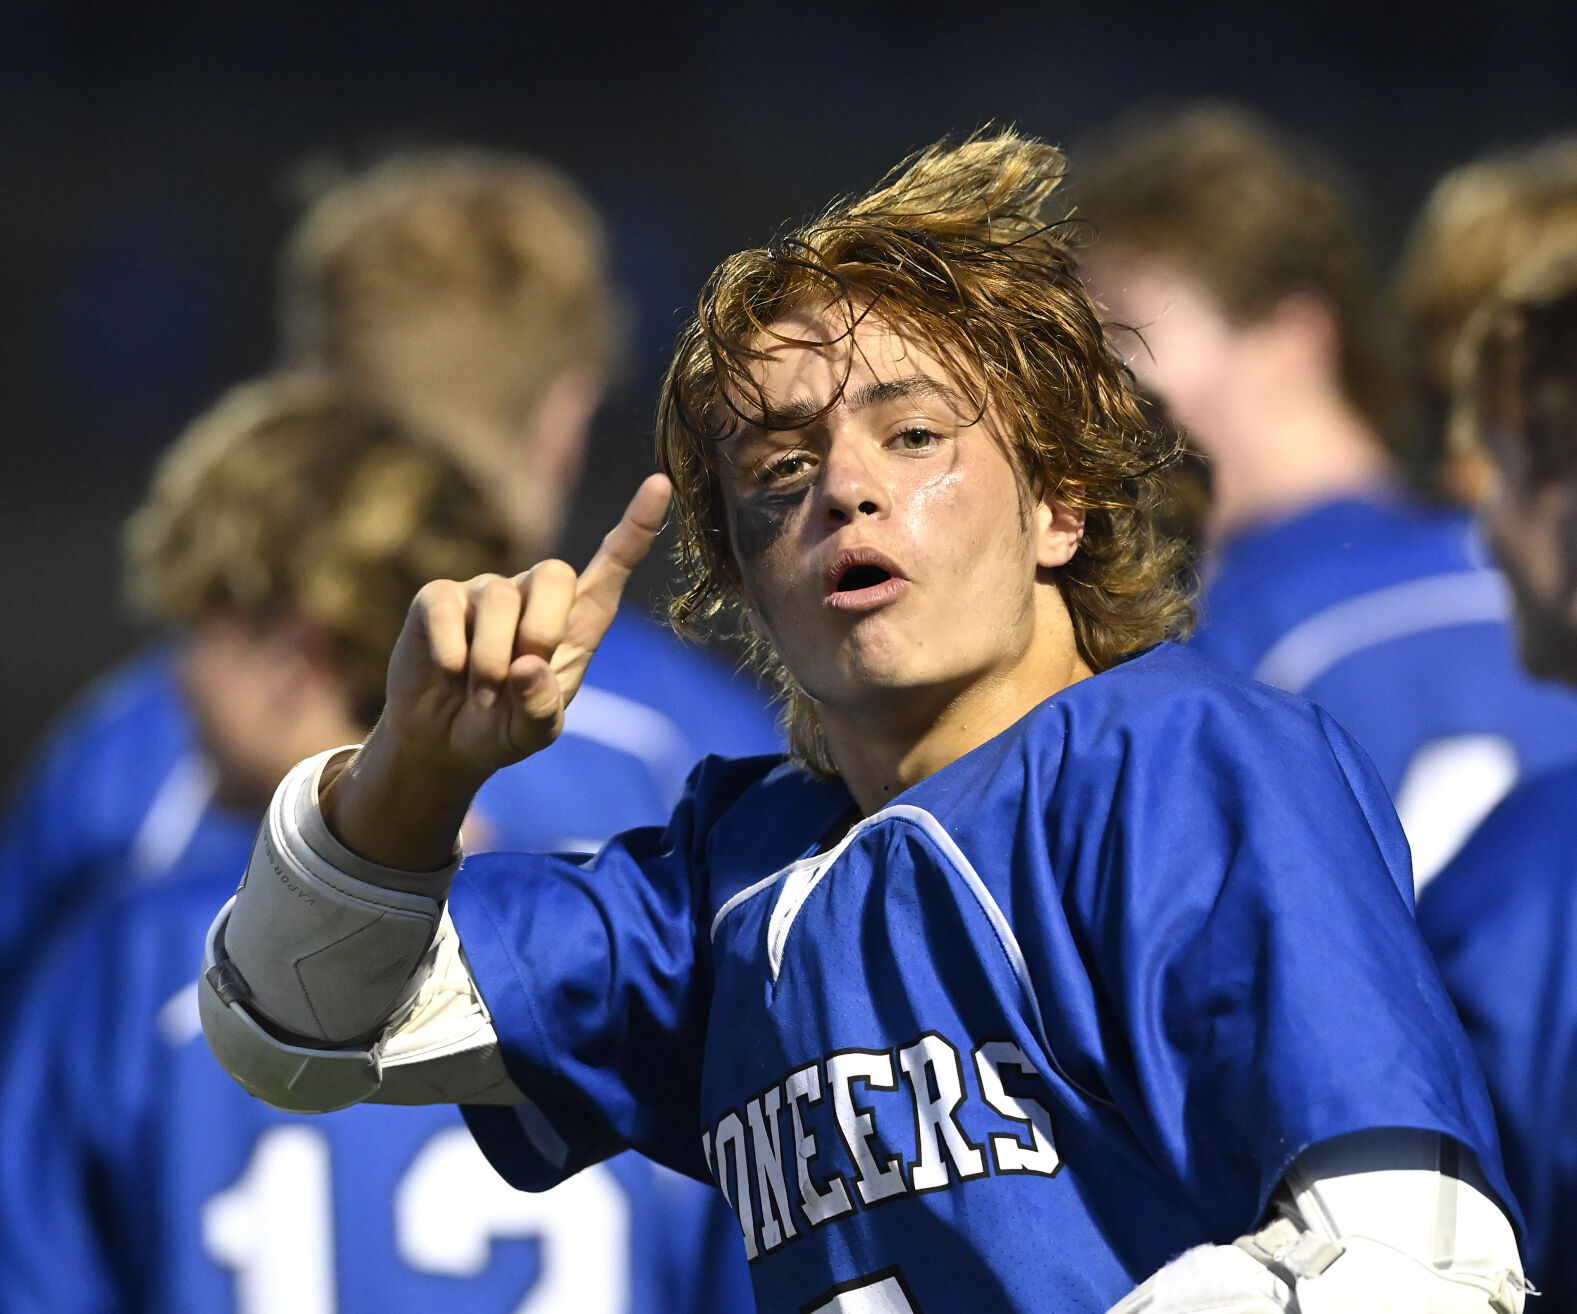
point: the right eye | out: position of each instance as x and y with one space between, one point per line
783 467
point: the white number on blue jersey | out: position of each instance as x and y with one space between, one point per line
275 1227
450 1205
883 1293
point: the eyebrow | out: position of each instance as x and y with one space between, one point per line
797 411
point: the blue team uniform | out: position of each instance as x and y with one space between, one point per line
126 1149
121 792
1390 616
136 1175
1061 1010
1502 922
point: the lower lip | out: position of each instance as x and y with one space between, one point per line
878 595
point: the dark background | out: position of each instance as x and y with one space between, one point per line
152 155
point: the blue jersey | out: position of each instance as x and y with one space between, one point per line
121 791
1061 1010
122 796
1390 617
1502 922
136 1175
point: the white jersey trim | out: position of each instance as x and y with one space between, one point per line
801 877
173 817
1312 647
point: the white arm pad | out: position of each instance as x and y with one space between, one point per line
329 979
1385 1222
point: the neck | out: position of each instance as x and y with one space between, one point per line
1296 457
887 745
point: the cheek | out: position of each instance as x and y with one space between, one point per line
975 530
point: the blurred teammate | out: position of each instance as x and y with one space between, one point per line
1239 265
1502 919
1057 951
1481 220
468 293
285 535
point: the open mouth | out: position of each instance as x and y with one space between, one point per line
862 577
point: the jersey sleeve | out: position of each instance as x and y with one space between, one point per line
1502 923
595 976
1271 985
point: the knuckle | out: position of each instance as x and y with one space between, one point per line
553 571
434 593
492 588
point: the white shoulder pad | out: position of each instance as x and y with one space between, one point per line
1377 1223
324 945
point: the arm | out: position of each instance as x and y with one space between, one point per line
1384 1221
320 974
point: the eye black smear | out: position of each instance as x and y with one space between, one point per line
759 520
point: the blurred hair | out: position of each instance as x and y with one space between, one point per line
951 250
1480 221
290 497
453 287
1256 216
1517 368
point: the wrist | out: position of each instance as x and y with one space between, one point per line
385 805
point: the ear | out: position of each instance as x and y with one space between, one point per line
1059 529
558 430
1306 325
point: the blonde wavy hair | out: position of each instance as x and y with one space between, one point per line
953 249
1482 220
457 287
290 496
1516 366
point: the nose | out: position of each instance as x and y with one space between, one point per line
852 485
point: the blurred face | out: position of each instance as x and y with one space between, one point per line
1533 530
1190 356
262 702
889 547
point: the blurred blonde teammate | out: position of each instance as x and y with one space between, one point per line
1237 287
1502 920
283 537
1480 221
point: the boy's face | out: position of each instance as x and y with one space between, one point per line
889 548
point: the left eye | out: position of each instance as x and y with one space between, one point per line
916 440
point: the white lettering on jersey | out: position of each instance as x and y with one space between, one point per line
934 1100
875 1181
777 1220
820 1206
731 1132
1012 1155
936 1078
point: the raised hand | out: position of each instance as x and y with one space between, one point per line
479 678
